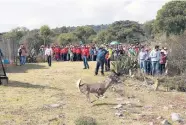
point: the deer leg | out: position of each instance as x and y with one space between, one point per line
88 97
97 96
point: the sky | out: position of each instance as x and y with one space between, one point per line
57 13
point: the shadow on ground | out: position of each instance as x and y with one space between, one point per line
24 68
113 104
28 85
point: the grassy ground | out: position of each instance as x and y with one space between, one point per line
32 88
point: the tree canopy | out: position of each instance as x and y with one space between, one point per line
171 18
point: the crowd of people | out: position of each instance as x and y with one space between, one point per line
151 61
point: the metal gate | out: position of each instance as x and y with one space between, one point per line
9 49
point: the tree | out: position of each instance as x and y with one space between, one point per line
148 28
84 32
16 34
126 30
171 18
45 33
33 40
66 38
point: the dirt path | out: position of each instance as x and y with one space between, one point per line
33 88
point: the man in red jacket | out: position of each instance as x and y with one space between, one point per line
65 54
85 52
74 52
57 53
78 53
62 53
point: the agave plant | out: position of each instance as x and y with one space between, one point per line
124 64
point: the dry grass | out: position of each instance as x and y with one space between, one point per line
32 87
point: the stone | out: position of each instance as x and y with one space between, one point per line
165 122
119 114
55 105
119 99
165 108
159 118
151 123
176 117
118 106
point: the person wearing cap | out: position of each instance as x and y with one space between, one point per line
100 60
155 58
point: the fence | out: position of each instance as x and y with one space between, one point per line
9 49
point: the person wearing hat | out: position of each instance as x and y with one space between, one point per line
100 60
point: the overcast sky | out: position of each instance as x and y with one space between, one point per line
56 13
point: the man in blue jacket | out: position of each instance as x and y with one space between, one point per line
100 60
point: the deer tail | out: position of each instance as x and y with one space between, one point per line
78 83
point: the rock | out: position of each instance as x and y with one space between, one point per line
176 117
52 106
159 118
119 114
119 99
171 106
151 123
165 108
118 106
165 122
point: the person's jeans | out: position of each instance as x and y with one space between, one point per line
49 60
148 67
143 66
155 68
85 62
107 64
64 57
99 63
23 60
92 57
78 57
162 68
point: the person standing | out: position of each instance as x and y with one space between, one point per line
155 59
1 53
48 53
162 62
85 57
19 54
141 58
23 55
107 60
100 60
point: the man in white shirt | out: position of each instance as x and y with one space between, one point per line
155 58
49 53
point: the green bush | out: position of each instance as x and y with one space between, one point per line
84 120
125 63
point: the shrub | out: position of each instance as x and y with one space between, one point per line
84 120
125 63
